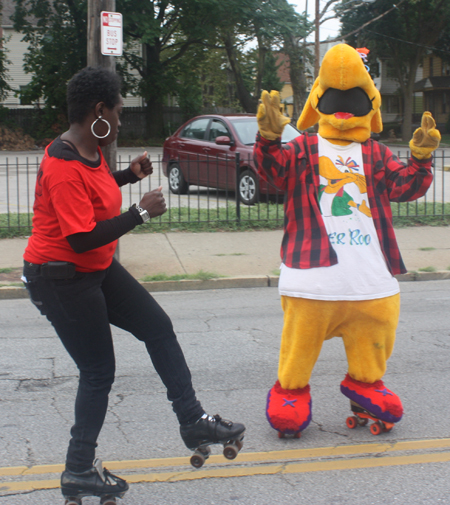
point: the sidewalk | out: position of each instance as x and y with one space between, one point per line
237 259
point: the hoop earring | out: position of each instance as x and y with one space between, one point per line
93 124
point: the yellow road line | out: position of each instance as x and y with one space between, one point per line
227 472
249 457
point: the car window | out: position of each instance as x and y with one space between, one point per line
247 128
196 129
217 129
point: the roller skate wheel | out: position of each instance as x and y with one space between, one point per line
281 434
72 500
352 422
108 500
362 422
197 460
230 451
298 434
376 428
239 444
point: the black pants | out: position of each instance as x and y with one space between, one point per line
81 310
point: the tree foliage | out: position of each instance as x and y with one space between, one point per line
5 88
55 31
404 35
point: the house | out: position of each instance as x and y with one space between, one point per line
435 86
15 51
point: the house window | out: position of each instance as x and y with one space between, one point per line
24 99
391 104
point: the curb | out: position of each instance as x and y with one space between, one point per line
261 281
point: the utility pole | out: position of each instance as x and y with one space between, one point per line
317 40
96 59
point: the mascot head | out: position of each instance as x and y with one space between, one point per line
343 99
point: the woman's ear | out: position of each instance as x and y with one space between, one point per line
99 109
309 116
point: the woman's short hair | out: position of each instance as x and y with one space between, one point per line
89 87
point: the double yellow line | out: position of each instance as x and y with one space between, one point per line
320 459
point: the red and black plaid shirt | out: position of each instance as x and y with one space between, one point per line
294 168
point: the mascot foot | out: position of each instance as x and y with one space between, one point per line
372 401
289 410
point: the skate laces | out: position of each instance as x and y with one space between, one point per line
107 477
217 419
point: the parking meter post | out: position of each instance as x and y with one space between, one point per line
238 195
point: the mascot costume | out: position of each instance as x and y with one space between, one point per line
339 251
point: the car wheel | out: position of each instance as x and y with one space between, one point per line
248 187
177 184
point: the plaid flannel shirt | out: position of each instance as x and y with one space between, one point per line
294 168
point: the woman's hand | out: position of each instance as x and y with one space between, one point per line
141 166
153 202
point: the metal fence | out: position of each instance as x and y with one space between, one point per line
211 198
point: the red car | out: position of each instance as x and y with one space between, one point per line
202 152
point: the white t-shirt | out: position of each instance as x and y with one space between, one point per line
361 272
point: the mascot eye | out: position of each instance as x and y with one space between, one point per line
354 101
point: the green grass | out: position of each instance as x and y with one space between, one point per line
5 270
257 217
199 276
264 216
427 269
413 214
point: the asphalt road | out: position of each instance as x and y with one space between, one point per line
231 340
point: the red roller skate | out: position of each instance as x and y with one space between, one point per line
289 410
371 402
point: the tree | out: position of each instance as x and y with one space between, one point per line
274 25
404 34
5 88
56 51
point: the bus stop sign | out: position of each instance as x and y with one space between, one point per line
111 33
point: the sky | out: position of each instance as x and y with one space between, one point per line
328 29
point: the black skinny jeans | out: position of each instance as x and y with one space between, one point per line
81 311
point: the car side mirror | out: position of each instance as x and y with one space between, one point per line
224 141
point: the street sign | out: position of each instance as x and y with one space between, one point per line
111 33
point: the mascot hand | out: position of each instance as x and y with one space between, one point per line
426 138
271 121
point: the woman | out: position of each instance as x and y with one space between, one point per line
73 279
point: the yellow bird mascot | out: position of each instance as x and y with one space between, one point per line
339 251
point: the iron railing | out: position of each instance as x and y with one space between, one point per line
210 198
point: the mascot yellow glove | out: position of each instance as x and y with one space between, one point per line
426 138
271 121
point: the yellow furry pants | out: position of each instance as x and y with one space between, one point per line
366 327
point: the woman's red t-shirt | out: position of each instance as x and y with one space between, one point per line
72 197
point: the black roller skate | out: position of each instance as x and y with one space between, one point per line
94 482
210 430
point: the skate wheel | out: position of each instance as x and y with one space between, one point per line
230 451
351 422
108 500
362 422
73 500
197 460
298 434
376 428
281 434
239 444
